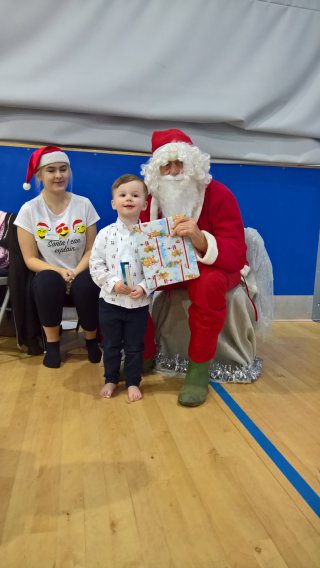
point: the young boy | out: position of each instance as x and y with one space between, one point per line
123 308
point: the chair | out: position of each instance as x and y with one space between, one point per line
235 359
70 318
4 282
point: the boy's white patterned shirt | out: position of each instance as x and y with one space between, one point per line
115 244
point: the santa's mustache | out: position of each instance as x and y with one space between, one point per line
176 194
178 177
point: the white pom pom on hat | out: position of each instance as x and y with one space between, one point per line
42 157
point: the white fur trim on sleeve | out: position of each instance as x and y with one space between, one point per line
154 209
245 271
212 251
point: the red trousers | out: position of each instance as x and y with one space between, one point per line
207 312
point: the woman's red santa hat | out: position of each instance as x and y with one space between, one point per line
42 157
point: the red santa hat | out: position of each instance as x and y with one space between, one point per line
163 137
61 227
42 157
76 222
43 225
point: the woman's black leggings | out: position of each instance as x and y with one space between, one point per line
49 292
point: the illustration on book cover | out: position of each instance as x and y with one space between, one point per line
165 259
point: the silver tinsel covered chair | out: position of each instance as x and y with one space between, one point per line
235 359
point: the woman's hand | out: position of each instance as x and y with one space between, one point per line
67 275
121 288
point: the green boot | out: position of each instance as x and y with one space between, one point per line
195 388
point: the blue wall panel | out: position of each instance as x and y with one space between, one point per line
283 204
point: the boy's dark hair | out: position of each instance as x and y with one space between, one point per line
125 178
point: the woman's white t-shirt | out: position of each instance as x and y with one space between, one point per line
61 239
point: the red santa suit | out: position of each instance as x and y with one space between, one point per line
220 220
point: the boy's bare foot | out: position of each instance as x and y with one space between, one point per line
107 390
134 393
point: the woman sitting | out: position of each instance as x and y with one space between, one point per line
56 231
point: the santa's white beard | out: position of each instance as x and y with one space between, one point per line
177 195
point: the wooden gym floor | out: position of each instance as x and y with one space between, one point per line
92 483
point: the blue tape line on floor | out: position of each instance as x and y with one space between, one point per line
301 486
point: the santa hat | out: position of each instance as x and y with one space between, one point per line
43 225
163 137
61 227
76 222
42 157
172 144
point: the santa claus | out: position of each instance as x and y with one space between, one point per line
179 182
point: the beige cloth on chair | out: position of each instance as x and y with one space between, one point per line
237 341
235 360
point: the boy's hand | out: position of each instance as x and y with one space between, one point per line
137 292
121 288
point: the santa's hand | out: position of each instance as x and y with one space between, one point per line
137 292
121 288
187 227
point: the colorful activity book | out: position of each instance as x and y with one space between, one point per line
165 259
